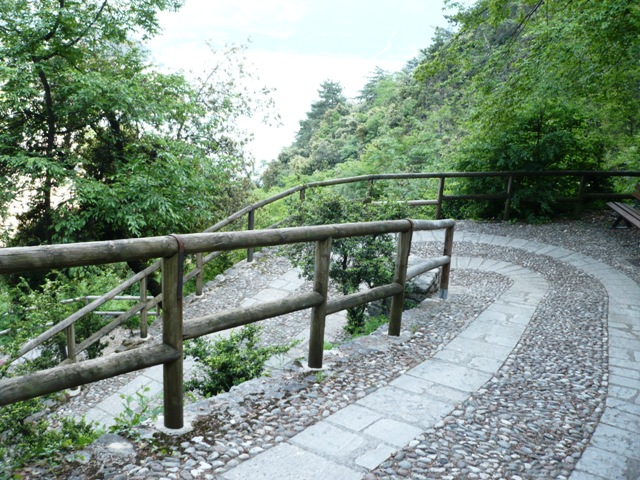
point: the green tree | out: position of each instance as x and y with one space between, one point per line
354 261
331 97
134 151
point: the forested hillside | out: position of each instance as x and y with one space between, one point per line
512 85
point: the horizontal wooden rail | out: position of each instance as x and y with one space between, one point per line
16 389
244 316
431 264
26 259
360 298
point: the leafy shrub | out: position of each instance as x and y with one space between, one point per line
231 361
138 408
27 437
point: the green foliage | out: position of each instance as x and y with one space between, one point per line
132 151
138 409
370 325
227 362
27 437
29 312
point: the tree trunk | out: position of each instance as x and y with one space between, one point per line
153 286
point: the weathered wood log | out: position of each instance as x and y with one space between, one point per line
446 269
47 257
415 270
218 322
360 298
399 277
319 312
172 336
70 376
225 241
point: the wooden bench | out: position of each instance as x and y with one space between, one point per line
626 213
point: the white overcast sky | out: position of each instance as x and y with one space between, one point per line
297 44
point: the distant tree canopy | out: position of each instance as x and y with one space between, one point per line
82 110
512 85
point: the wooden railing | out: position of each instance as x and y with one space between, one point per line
172 249
144 305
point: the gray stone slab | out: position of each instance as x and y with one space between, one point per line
621 381
628 343
376 456
621 419
625 372
289 462
476 362
292 276
489 264
354 417
625 309
514 299
99 416
505 335
623 353
113 404
451 375
479 348
624 363
496 318
624 405
526 311
425 387
616 440
392 432
517 243
154 373
406 406
623 333
511 269
327 439
270 294
623 393
596 461
622 320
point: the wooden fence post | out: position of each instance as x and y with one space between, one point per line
172 271
70 332
144 320
507 202
439 199
446 269
579 208
200 275
250 226
318 314
400 277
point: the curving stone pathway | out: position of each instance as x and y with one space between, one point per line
361 436
360 439
614 449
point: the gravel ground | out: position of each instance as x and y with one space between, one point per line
533 420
